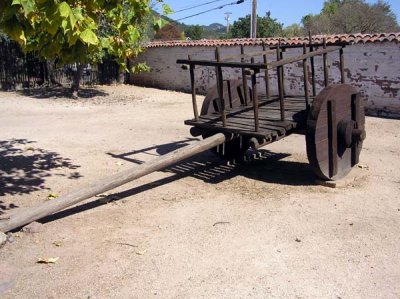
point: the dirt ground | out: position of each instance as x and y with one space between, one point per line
201 229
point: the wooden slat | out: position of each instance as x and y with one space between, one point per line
246 123
244 55
302 57
222 63
261 134
258 66
240 120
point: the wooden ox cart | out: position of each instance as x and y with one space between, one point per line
333 120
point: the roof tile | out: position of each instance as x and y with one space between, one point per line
330 39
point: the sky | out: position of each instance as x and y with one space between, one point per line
285 11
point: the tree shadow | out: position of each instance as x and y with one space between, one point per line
266 166
23 168
61 92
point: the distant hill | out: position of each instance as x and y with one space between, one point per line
215 27
212 31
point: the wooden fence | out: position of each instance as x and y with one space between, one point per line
20 70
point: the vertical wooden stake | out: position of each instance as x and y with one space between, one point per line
325 58
220 86
305 75
314 88
193 85
266 74
244 79
280 83
342 79
282 69
255 96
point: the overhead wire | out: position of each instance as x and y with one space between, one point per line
215 8
203 4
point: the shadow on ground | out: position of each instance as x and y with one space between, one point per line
267 166
263 165
61 92
24 167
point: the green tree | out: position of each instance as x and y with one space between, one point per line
293 30
352 16
194 32
266 27
317 24
331 7
169 32
78 32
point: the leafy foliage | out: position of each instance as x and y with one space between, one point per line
293 30
78 31
266 27
169 32
194 32
352 16
331 7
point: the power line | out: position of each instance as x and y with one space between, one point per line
219 7
176 11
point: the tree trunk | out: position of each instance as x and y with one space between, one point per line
49 78
51 73
76 80
121 77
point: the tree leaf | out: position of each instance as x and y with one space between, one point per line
52 196
77 12
134 34
88 37
159 23
72 20
64 25
49 260
140 67
28 6
52 27
64 9
72 39
57 243
166 9
105 43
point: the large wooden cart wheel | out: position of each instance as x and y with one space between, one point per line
335 131
234 97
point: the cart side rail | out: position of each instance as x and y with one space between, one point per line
255 69
258 66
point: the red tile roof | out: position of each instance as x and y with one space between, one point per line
330 39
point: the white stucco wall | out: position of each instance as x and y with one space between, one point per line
373 68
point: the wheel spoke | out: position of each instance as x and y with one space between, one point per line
355 115
332 137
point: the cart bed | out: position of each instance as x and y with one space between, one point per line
241 120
